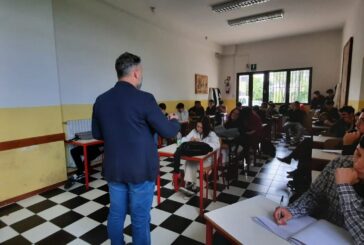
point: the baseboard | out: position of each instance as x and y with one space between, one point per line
29 194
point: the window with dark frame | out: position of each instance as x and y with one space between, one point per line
279 86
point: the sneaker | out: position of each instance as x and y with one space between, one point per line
69 183
193 188
78 177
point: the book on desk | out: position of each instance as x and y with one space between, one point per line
306 230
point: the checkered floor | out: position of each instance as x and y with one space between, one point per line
78 216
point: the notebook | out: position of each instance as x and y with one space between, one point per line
307 231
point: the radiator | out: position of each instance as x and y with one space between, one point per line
72 127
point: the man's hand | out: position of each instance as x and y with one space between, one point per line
351 138
281 215
346 176
172 116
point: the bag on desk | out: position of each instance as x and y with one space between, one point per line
190 149
87 135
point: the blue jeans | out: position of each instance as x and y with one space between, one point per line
137 199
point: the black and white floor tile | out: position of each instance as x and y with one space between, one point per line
77 216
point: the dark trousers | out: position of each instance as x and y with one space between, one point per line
77 153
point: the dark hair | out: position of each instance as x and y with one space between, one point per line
124 62
162 106
206 126
212 101
317 92
361 142
362 110
347 109
197 102
256 108
329 91
180 106
238 104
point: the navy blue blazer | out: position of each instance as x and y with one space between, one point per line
126 119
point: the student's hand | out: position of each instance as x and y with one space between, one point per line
351 138
281 215
346 176
172 116
195 139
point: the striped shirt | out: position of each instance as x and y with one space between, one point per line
345 207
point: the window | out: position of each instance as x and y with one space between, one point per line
280 86
277 86
299 86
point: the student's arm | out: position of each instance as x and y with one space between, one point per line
164 127
306 204
96 128
352 207
188 137
213 141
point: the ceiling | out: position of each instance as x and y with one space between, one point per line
194 18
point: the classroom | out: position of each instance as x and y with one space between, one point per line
285 77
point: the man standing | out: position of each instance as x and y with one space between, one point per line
126 119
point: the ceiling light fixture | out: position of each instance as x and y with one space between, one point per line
234 4
276 14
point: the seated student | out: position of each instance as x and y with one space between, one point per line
211 109
271 110
239 106
197 110
261 111
330 95
294 123
328 115
344 124
163 108
251 131
337 195
203 133
181 113
317 100
93 152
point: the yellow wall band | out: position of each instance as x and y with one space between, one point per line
30 168
20 123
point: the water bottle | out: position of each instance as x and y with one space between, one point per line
179 138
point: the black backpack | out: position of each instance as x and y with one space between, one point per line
191 148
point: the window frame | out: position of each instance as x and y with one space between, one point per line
266 83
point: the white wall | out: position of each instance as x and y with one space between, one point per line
90 35
321 51
28 70
354 28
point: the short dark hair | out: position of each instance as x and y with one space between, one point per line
329 91
212 101
180 106
162 106
317 92
347 109
197 102
124 62
239 104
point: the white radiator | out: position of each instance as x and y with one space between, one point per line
72 127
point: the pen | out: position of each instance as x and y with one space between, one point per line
280 205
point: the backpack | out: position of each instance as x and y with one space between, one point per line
191 148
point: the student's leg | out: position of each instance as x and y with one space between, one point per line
141 197
117 212
76 154
191 171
